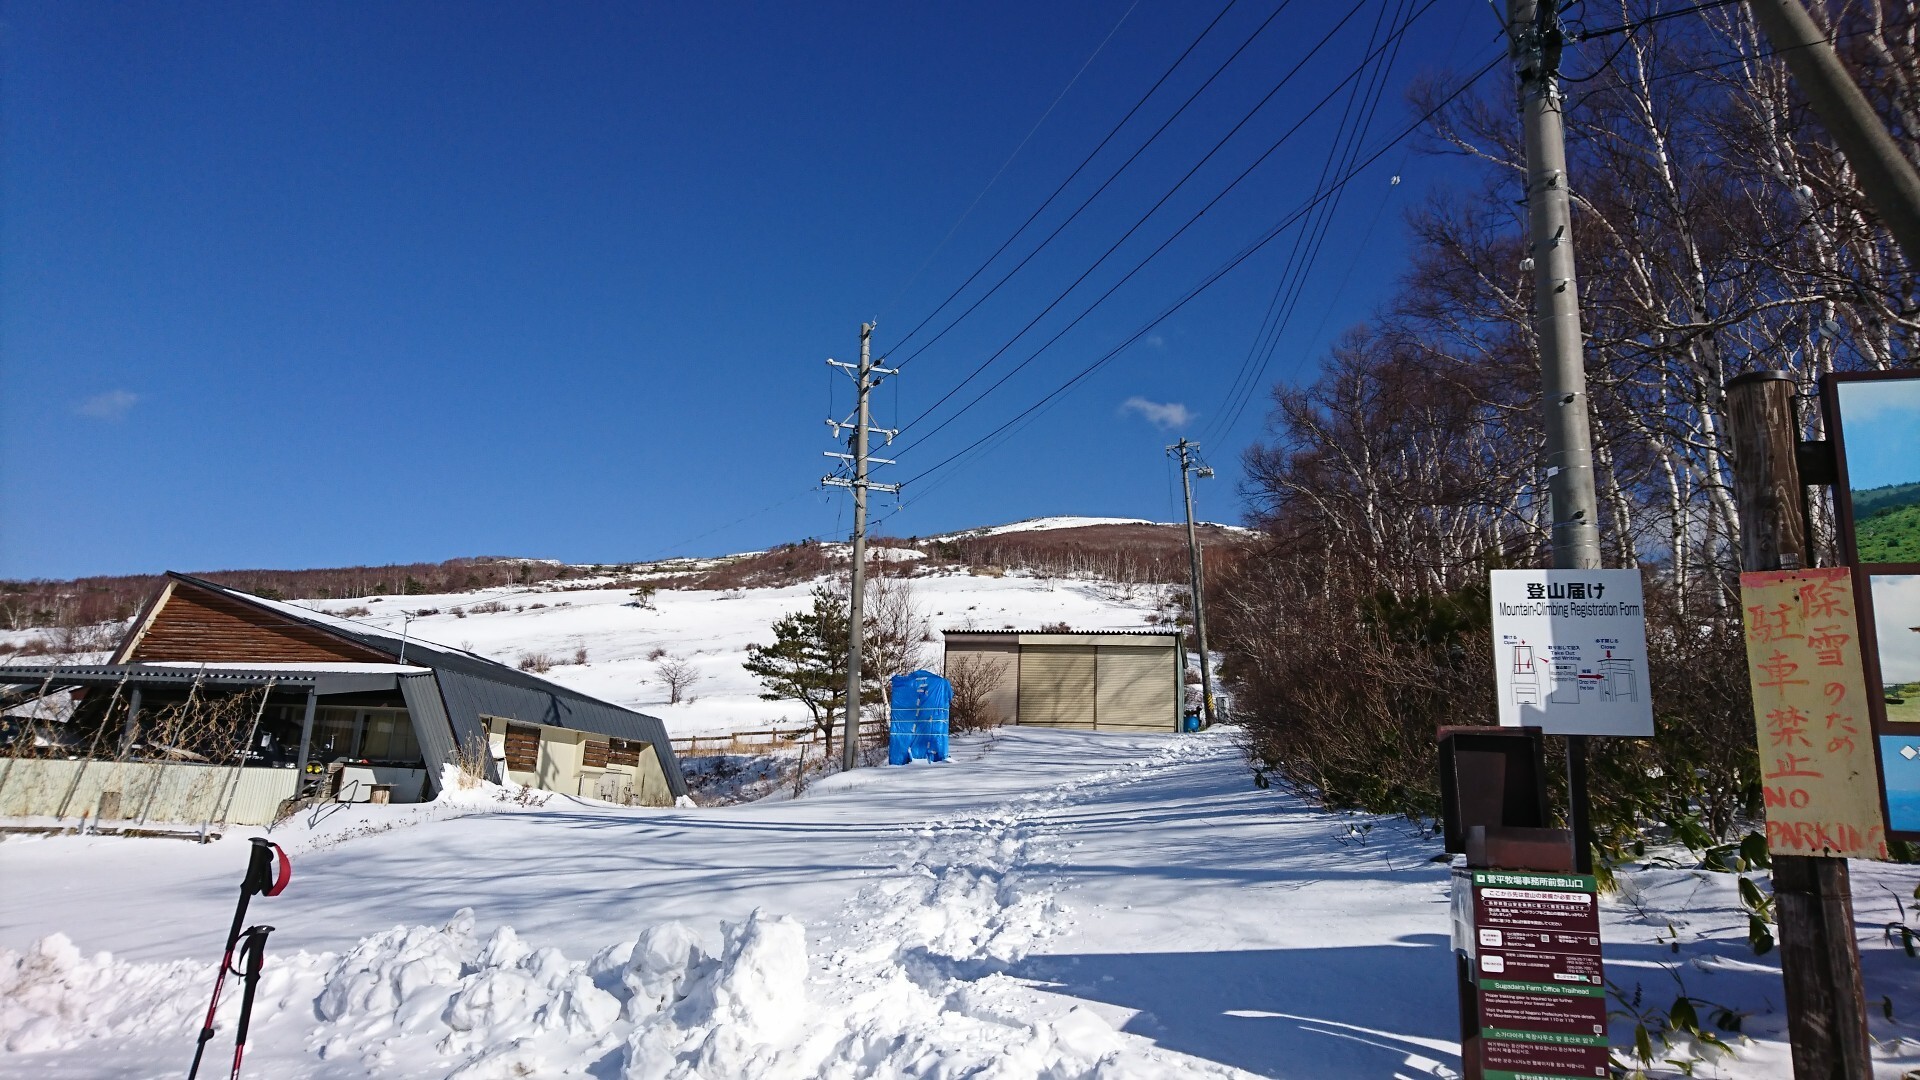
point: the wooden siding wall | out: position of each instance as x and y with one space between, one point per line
523 748
195 625
593 753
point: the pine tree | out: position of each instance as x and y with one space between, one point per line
807 661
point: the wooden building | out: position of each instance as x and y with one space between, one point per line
367 712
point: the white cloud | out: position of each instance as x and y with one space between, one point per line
1155 341
1166 417
1896 610
1865 402
111 405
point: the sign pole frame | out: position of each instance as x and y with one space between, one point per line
1813 896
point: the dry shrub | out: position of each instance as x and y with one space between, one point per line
679 673
1127 554
788 564
974 680
537 662
471 761
1341 688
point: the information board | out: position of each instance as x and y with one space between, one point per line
1810 707
1542 994
1570 651
1871 418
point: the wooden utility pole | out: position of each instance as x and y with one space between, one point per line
865 377
1886 175
1813 897
1536 36
1184 450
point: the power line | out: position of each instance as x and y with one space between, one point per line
1244 254
1089 200
1307 243
1057 98
767 509
1164 244
1583 34
1366 238
1340 157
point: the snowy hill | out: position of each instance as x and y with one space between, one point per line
1051 524
712 629
584 630
1047 905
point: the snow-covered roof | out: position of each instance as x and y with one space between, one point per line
333 667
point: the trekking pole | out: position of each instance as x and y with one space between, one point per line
255 951
268 872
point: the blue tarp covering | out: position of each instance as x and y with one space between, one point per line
918 727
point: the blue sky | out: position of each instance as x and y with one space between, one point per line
302 285
1880 419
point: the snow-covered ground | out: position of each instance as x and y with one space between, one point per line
1047 524
713 630
1048 904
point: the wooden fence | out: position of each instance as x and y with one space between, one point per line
766 740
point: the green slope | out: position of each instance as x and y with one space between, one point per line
1890 535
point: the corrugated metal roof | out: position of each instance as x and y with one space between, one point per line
347 678
473 686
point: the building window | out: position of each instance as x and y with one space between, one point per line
593 754
333 734
388 736
623 752
373 735
523 748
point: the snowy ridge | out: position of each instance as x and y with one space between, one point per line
1042 524
1049 524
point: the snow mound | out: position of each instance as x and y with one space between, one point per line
915 983
52 997
734 1016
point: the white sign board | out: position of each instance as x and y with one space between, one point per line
1570 651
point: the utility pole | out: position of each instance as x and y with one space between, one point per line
1813 896
1886 175
1536 37
1184 450
865 378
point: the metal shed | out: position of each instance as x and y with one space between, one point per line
1099 680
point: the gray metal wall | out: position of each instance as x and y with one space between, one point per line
439 737
468 698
